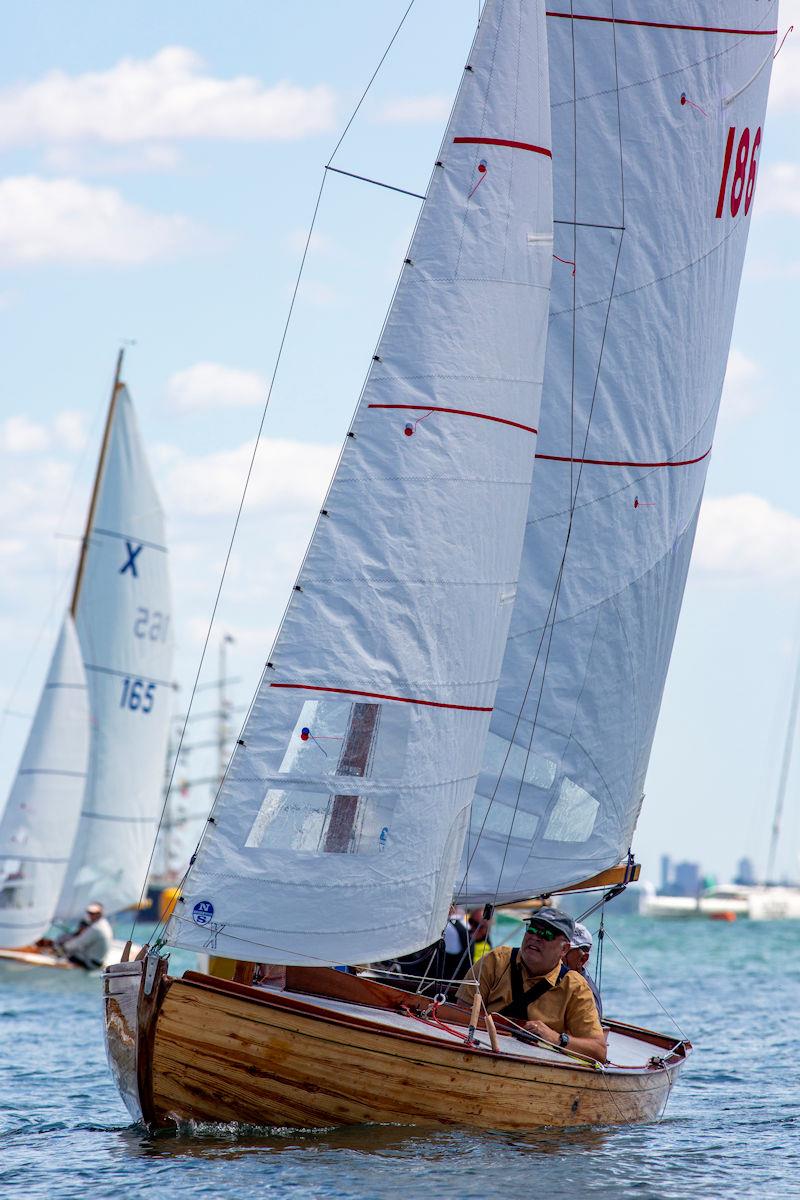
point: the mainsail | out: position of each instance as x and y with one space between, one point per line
122 615
338 830
41 815
657 128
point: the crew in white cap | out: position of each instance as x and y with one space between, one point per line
88 946
577 956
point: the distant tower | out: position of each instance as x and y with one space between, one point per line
745 873
687 878
666 867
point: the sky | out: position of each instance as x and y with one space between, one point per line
160 165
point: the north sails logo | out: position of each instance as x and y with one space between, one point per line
203 912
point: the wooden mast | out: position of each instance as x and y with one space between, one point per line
101 462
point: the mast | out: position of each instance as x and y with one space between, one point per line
101 462
786 762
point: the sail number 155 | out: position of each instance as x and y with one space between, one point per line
745 164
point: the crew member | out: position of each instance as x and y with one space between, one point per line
89 945
534 987
576 958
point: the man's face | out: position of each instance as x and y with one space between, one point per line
576 957
91 917
540 954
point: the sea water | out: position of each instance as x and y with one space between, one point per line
731 1128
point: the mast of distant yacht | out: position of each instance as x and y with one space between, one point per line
101 462
786 762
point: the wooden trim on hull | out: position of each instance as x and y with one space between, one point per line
235 1053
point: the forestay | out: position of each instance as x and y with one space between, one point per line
124 626
338 830
41 816
655 172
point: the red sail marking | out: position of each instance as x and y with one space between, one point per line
490 141
312 687
610 462
663 24
459 412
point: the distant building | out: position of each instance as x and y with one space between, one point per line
687 879
745 873
666 871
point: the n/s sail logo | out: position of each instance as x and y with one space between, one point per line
202 912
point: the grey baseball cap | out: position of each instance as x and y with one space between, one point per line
581 938
554 918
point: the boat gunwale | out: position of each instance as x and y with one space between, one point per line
279 1000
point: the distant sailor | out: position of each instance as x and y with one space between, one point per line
89 945
533 986
577 957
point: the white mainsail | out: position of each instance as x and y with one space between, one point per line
655 166
124 626
339 827
41 815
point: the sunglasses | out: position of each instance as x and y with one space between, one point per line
544 932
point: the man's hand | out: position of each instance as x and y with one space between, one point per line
542 1031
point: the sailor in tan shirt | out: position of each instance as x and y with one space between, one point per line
533 987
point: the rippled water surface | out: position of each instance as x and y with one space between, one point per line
732 1127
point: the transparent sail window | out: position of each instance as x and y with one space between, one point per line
16 884
573 816
500 820
343 737
322 822
518 763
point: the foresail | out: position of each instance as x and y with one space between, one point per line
125 630
655 170
339 828
41 815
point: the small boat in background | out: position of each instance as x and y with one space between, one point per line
82 812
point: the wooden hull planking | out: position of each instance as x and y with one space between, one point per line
198 1049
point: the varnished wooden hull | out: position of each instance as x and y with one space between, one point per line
206 1050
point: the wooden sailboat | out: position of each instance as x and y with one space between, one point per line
83 809
463 694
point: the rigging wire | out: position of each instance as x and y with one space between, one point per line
251 465
645 984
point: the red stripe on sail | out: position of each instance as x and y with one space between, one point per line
663 24
459 412
489 141
611 462
312 687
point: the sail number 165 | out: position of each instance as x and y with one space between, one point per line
137 695
745 165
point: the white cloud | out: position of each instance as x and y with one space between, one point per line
288 475
79 159
779 189
414 110
745 536
209 385
70 430
740 394
321 294
18 435
168 96
62 220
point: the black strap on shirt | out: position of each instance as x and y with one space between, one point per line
518 1008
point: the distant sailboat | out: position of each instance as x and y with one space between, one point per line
382 769
82 812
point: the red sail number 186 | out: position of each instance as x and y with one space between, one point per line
744 179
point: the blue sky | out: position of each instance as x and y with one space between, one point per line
160 165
